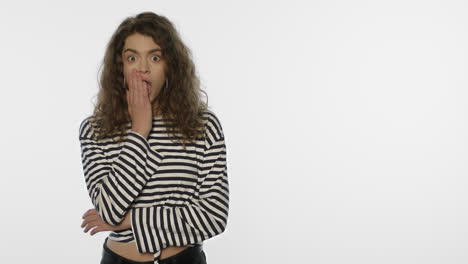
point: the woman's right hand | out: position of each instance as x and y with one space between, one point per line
139 104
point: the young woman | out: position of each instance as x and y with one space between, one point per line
154 155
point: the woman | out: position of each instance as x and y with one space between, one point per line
154 156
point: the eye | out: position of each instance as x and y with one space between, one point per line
128 58
156 57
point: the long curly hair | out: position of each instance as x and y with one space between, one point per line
180 101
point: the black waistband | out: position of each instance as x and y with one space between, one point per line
183 256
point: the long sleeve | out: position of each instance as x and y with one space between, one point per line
202 217
114 184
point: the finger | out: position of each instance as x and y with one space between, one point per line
143 87
89 219
127 94
91 229
132 92
143 90
131 81
85 223
136 83
86 228
139 89
96 230
87 212
90 225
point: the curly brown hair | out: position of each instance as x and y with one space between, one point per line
181 102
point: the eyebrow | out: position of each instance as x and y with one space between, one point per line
150 51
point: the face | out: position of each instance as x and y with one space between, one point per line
143 54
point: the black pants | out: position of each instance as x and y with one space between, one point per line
190 255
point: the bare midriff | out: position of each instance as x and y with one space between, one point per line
130 251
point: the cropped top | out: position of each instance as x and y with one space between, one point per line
177 196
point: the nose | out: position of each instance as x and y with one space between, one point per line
143 67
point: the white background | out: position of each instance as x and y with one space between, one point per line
345 121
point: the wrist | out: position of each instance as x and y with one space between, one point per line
128 220
126 223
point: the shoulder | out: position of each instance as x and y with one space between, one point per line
87 127
213 125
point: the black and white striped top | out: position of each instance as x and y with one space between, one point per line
176 197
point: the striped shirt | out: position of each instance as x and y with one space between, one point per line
176 197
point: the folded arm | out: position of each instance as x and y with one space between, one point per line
199 219
114 184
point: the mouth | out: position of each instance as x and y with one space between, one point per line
147 82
